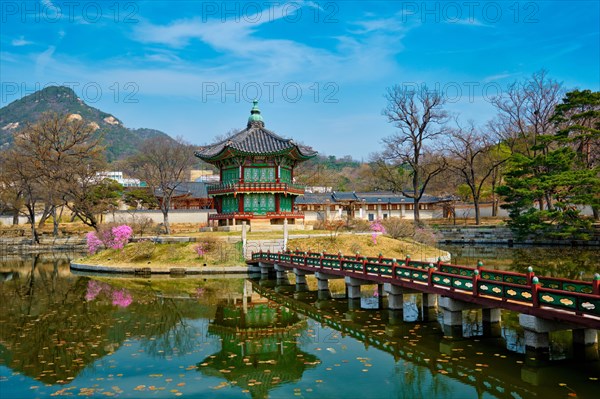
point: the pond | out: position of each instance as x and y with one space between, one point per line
73 335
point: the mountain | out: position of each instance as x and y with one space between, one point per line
119 140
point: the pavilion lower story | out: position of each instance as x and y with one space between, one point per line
271 221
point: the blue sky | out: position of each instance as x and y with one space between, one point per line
319 68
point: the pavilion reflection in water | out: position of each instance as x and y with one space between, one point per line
259 345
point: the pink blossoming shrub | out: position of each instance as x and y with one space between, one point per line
200 250
376 227
113 238
93 242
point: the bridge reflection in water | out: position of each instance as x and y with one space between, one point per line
478 357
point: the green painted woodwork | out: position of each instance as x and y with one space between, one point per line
260 204
285 203
285 175
231 175
558 284
259 175
230 204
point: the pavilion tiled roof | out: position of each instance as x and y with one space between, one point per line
255 139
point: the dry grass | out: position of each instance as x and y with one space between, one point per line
168 255
350 244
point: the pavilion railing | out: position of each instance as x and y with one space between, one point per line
254 187
581 297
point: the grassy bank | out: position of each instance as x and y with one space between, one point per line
217 251
147 253
351 243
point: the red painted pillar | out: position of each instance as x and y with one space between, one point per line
430 274
596 284
277 206
530 275
535 284
241 203
475 281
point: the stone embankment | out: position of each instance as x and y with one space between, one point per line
502 235
23 245
148 271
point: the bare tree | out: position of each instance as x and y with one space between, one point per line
525 117
420 119
50 159
25 180
162 164
474 156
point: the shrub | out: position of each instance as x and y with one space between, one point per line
108 236
143 250
425 235
359 225
398 228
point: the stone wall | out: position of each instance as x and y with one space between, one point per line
199 216
501 235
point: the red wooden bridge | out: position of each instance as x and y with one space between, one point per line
556 299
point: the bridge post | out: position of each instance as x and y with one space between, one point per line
452 311
395 296
322 284
323 280
264 269
300 276
281 271
353 287
585 344
537 339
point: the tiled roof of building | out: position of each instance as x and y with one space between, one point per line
193 189
315 198
373 197
255 139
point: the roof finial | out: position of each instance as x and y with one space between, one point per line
255 117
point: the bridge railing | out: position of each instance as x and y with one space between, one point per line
581 297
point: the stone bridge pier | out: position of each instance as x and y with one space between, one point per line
323 284
282 275
265 269
453 318
537 337
395 295
301 284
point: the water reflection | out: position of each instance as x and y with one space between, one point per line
566 262
260 338
258 346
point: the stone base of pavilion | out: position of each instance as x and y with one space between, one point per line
256 223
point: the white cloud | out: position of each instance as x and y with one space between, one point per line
43 60
20 42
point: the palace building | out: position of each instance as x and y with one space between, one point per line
256 170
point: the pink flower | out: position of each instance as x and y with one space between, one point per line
200 250
121 298
93 289
93 242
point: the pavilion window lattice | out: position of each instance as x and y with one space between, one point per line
259 204
259 174
231 175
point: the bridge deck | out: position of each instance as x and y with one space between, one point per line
571 301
